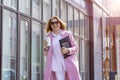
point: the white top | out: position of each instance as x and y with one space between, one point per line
57 58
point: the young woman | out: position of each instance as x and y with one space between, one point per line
58 67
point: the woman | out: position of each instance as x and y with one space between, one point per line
58 67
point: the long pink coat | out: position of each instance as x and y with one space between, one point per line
71 62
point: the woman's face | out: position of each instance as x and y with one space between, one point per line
55 25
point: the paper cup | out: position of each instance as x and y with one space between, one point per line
48 41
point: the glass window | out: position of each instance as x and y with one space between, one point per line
82 59
36 51
82 3
45 34
76 27
86 28
85 75
76 22
24 6
55 7
9 45
24 49
10 3
36 9
70 18
46 10
81 25
64 11
86 47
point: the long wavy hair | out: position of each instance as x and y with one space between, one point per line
48 25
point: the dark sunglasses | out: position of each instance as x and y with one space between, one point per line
55 22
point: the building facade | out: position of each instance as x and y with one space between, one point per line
22 34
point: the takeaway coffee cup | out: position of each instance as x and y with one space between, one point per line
48 41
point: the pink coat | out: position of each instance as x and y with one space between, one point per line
71 62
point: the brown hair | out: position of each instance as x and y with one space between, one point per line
48 25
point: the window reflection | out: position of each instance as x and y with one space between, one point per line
70 18
81 25
76 22
86 28
77 41
83 52
24 6
36 51
46 10
24 53
45 34
55 7
36 9
9 45
76 28
82 60
10 3
86 61
63 11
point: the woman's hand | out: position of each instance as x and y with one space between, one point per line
64 50
46 48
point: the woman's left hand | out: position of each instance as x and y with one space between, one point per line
64 50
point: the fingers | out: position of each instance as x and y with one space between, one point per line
46 48
64 50
45 43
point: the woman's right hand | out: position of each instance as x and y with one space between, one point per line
46 48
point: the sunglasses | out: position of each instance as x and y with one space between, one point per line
55 22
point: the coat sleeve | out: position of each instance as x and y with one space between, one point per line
74 48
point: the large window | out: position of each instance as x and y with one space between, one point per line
9 45
36 51
24 6
86 47
82 48
46 10
36 9
24 49
10 3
